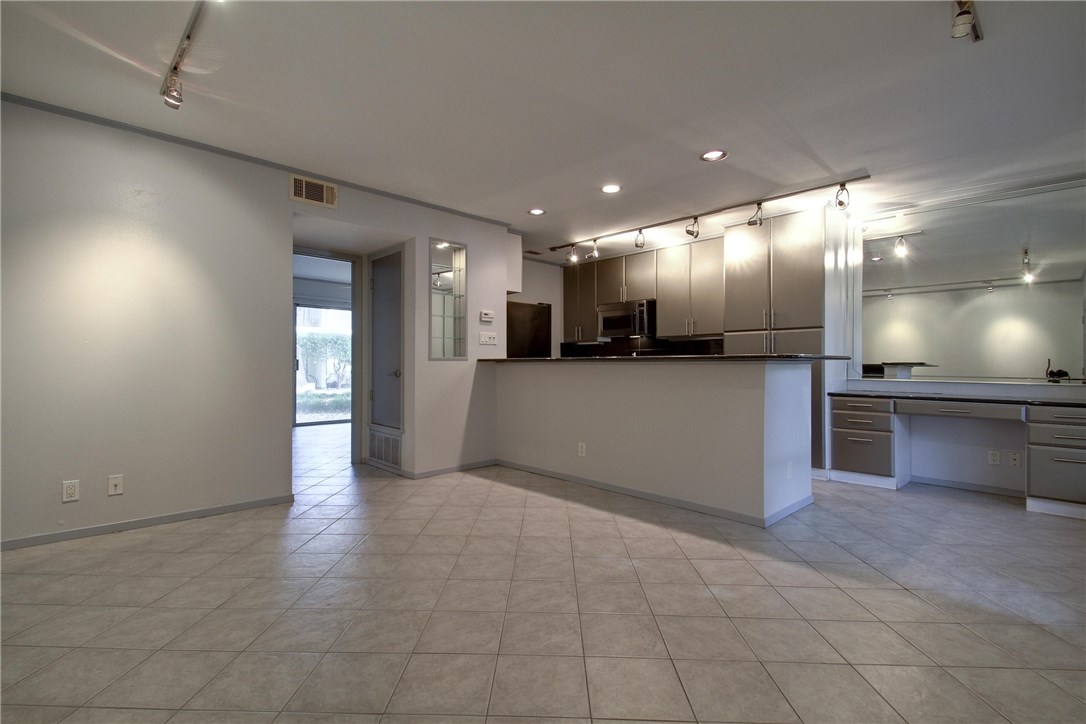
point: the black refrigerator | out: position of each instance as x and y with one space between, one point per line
528 330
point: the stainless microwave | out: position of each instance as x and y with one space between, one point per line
627 319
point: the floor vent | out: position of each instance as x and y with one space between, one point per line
384 448
312 191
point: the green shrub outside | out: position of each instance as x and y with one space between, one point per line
318 402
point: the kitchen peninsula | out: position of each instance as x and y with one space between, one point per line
728 435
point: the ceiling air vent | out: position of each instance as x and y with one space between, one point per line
312 191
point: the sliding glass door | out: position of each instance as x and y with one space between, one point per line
322 378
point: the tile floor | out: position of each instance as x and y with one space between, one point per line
497 596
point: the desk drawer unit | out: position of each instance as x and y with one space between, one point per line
847 419
1057 473
864 451
1058 435
1058 415
861 404
980 410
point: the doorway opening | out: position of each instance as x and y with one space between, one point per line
323 341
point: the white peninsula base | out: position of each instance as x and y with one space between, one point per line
730 437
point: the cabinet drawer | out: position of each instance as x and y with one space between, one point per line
1058 435
862 404
982 410
1058 415
1057 473
863 452
857 420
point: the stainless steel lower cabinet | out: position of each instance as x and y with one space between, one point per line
1057 473
863 451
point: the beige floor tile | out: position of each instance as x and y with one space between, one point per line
681 599
305 630
601 547
72 627
364 565
269 593
831 693
225 630
461 632
890 605
787 641
1073 682
16 617
416 595
19 662
88 715
552 634
665 570
870 642
543 568
543 596
636 689
733 691
498 567
694 637
1033 645
166 680
148 628
84 672
754 602
969 606
202 593
616 634
15 714
444 684
788 573
256 681
539 686
927 694
728 572
613 570
952 644
1022 696
474 595
351 683
136 591
826 604
382 632
346 593
611 598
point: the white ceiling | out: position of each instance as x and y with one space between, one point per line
492 108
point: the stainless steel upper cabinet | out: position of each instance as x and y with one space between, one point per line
673 291
579 322
640 276
797 271
609 280
746 278
707 287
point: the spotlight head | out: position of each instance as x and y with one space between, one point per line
639 240
756 219
172 94
841 198
1028 277
963 24
595 253
899 247
571 256
693 230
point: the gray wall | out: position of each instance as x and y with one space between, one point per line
146 326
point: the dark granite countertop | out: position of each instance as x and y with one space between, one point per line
683 358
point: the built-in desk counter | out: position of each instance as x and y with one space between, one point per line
875 438
728 435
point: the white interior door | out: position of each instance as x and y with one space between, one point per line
387 341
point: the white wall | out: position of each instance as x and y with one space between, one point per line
542 283
1008 333
146 311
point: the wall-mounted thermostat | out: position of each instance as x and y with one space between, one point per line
486 315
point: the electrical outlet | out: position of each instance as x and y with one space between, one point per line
580 449
1014 458
490 338
69 491
993 457
116 485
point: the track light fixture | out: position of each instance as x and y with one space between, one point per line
692 229
595 253
756 219
965 21
571 256
890 295
1027 273
172 96
639 240
841 198
171 83
899 247
991 287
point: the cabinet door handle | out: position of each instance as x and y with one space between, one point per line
950 409
1069 437
860 439
773 343
1070 417
1068 460
765 342
691 325
765 319
858 404
869 422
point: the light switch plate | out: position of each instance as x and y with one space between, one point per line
489 338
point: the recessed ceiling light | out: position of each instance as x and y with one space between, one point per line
611 189
714 155
536 212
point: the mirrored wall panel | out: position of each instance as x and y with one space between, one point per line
448 300
984 289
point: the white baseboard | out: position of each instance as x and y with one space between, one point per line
1056 507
